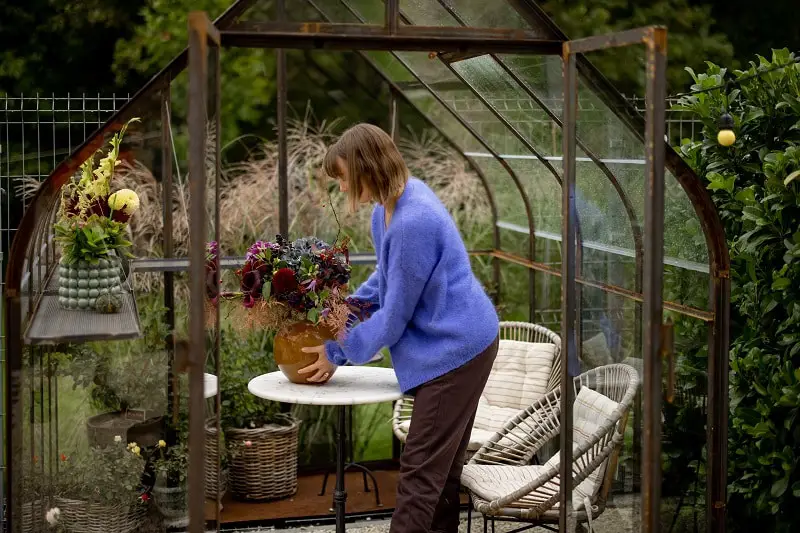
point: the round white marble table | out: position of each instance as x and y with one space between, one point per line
350 385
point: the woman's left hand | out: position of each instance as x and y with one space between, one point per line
322 369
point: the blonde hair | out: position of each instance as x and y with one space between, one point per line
373 163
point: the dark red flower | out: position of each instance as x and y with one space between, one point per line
283 281
251 283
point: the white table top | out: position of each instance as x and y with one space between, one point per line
210 384
350 385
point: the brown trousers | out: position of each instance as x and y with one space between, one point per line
433 457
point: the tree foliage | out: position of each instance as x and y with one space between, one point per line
755 187
61 45
692 36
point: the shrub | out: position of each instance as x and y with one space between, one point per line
755 188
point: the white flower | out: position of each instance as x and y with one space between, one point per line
124 200
117 439
52 516
252 424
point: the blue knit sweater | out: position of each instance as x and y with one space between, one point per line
430 310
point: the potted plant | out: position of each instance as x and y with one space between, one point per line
101 491
297 289
261 442
126 380
91 232
171 465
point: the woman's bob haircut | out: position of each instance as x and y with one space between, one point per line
373 164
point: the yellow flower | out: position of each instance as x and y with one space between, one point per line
162 444
124 200
135 450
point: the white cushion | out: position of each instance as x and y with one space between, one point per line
492 482
590 411
476 438
520 373
492 418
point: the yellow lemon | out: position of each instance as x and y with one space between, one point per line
726 137
124 200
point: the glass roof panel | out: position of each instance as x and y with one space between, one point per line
453 12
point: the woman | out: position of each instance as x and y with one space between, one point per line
429 310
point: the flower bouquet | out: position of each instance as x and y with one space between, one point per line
91 228
297 289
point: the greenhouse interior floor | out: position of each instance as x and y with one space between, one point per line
307 502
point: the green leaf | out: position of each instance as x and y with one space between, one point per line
313 315
779 487
791 177
780 284
266 290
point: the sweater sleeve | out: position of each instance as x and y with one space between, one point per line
368 291
410 262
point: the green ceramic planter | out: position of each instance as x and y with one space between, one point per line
81 283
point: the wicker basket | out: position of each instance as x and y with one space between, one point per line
33 516
105 427
215 485
85 517
266 468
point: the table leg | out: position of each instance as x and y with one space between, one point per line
339 495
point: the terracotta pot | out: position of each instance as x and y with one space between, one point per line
289 354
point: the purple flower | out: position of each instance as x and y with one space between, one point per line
325 312
311 284
212 250
259 247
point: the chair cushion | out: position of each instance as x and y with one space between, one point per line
492 482
476 438
590 411
492 418
520 373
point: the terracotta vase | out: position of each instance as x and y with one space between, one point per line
289 354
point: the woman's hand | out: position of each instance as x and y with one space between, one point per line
322 369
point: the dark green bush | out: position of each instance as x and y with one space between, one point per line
755 187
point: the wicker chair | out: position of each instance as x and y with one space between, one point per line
502 483
515 331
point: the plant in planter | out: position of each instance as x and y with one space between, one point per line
91 231
170 494
297 289
261 441
101 491
126 380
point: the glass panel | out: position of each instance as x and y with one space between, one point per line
432 13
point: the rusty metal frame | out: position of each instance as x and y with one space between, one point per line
203 46
655 42
719 267
334 36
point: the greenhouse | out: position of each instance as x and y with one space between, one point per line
137 395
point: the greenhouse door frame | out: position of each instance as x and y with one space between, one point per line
656 337
465 40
